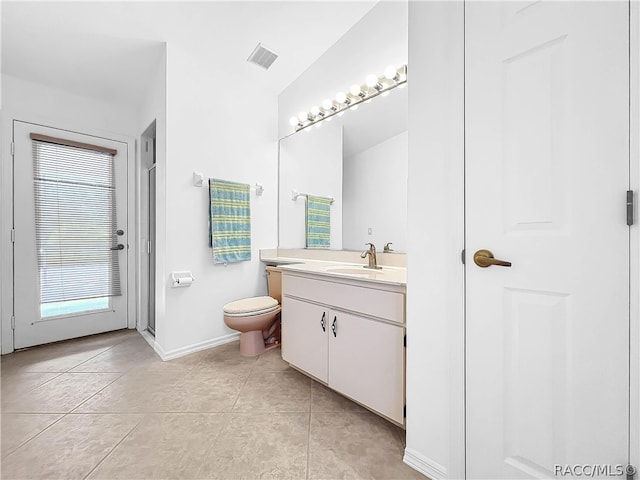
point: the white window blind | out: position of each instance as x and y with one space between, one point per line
75 215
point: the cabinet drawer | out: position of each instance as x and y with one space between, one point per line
369 301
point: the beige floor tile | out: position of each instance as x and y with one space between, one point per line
181 364
163 446
17 383
17 428
265 446
134 392
355 445
213 414
212 392
62 356
60 395
271 361
121 358
275 392
325 400
226 358
69 449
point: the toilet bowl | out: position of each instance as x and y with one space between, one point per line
257 318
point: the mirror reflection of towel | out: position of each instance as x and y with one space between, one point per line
318 220
230 221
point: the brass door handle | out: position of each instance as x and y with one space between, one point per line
484 258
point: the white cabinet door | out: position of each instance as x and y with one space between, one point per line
366 362
304 336
547 167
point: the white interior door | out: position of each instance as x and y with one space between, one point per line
547 167
57 296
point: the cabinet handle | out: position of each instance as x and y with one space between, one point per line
334 326
322 322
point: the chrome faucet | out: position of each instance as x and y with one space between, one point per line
373 261
387 247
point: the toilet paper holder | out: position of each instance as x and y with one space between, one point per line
181 279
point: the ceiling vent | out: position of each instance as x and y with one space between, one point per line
262 56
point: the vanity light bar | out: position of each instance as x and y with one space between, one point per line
375 85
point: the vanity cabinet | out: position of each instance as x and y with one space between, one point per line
326 334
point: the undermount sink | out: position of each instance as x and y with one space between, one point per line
354 271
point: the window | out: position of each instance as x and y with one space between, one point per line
76 237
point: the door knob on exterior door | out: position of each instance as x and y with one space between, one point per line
484 258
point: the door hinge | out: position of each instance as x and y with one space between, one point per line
629 207
404 411
13 149
13 235
405 341
13 322
462 256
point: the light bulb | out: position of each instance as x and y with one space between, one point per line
315 111
293 121
341 113
372 80
355 90
355 107
327 104
318 125
390 72
385 93
302 116
367 101
401 77
308 129
328 119
341 97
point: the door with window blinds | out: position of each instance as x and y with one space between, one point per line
70 220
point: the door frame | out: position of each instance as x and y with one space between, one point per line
142 235
6 215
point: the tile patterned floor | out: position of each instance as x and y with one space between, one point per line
106 407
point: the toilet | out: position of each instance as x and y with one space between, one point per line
257 318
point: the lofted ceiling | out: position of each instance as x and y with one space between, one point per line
109 50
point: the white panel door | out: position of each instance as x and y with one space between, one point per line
35 322
547 167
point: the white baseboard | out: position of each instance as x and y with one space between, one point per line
424 465
196 347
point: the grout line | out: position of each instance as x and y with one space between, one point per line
113 449
37 434
73 410
235 402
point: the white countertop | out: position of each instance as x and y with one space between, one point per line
349 271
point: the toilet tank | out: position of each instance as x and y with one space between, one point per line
274 282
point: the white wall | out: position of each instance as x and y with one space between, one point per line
375 195
310 162
224 127
377 40
435 287
32 102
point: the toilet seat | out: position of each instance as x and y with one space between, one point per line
251 306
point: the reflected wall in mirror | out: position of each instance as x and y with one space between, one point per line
360 157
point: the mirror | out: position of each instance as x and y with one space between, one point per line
360 161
